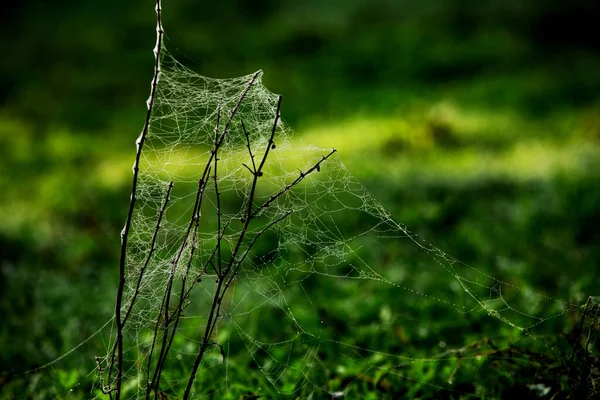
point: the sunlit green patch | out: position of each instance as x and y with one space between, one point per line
372 146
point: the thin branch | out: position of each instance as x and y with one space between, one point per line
251 215
253 170
251 245
299 179
125 233
167 296
215 307
151 252
210 324
146 263
265 205
258 172
167 343
217 193
270 144
197 206
237 106
219 291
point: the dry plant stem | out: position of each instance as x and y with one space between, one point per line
143 269
215 307
150 253
228 274
198 278
217 194
194 222
184 294
163 314
299 179
265 205
125 233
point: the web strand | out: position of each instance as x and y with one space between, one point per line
250 226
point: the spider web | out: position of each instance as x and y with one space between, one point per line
331 291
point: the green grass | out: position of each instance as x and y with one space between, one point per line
518 206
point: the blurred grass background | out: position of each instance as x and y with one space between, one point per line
476 123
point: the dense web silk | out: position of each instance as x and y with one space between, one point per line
314 226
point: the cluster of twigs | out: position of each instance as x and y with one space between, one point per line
224 268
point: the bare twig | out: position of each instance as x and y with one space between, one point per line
164 310
260 233
168 338
145 266
217 193
227 275
253 170
150 253
299 179
125 233
270 144
217 298
167 319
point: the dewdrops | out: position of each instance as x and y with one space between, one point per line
213 139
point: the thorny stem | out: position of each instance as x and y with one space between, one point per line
125 233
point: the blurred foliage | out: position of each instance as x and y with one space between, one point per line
477 123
